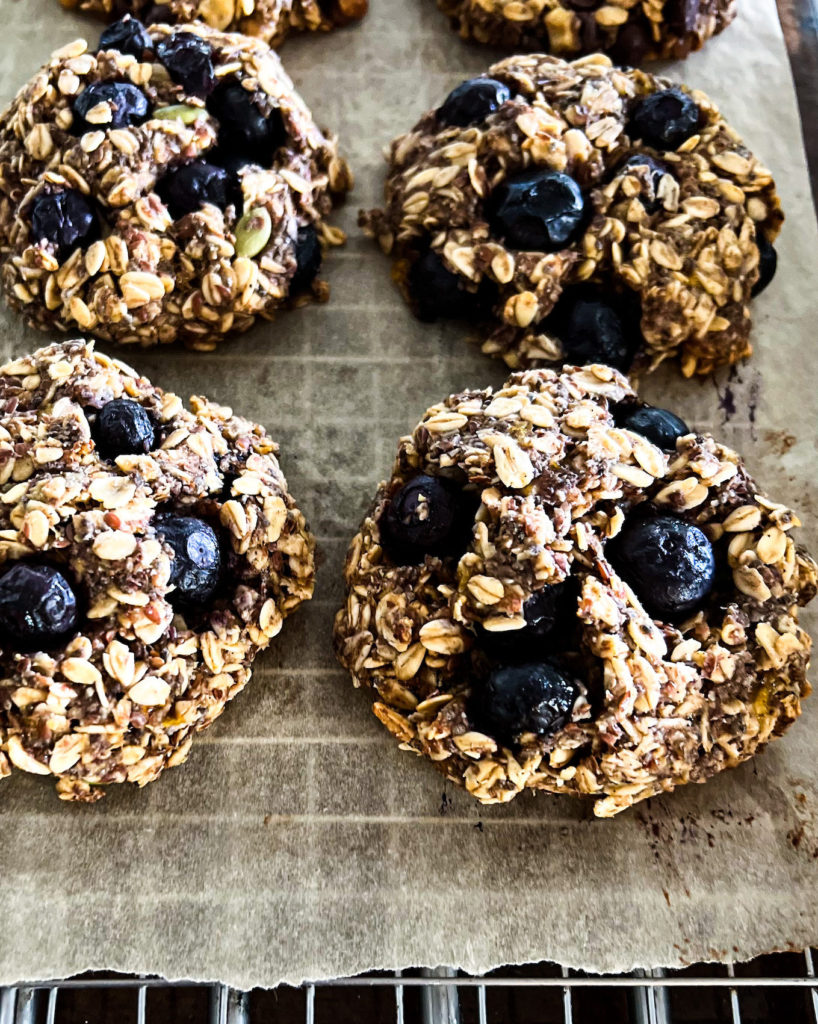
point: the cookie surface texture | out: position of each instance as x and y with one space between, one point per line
270 20
171 185
584 213
149 551
631 33
542 598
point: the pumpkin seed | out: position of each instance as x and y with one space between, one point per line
253 232
179 112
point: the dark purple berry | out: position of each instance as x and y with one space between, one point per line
189 61
537 698
767 263
243 129
435 291
682 16
38 608
653 171
127 35
660 426
65 219
664 119
668 562
593 331
551 619
129 106
187 188
632 44
197 560
472 102
123 427
538 211
308 258
425 517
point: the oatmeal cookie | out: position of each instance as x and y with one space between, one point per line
270 20
591 213
561 588
630 32
147 553
170 185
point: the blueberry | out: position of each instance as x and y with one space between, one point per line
660 426
129 105
632 45
472 102
307 259
189 61
538 211
593 331
435 291
127 35
668 562
664 119
186 188
243 128
550 616
66 219
38 608
535 697
197 560
767 263
656 171
123 427
425 517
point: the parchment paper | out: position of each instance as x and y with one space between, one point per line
299 842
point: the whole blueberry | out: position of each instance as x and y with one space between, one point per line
127 35
534 697
425 517
38 608
660 426
538 211
123 427
187 188
664 119
308 258
129 105
656 171
66 219
767 263
593 331
243 128
550 624
668 562
189 62
435 291
472 102
197 560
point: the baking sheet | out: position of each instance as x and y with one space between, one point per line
298 842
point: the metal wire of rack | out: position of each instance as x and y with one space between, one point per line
648 997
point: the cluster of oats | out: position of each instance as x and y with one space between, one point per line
125 697
270 20
151 279
633 30
556 479
691 264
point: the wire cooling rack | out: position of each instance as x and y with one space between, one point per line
771 989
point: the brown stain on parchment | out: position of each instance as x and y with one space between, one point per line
779 442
